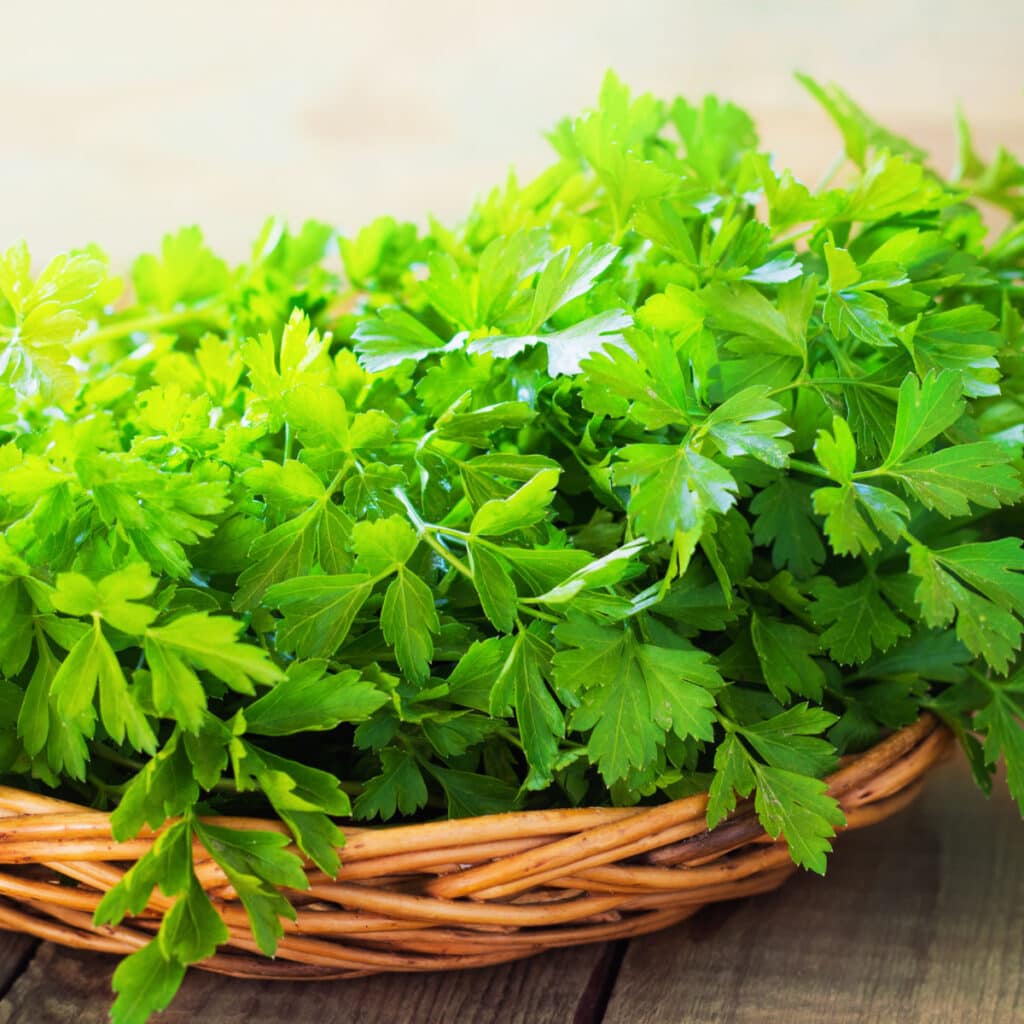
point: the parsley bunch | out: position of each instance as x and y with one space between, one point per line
662 473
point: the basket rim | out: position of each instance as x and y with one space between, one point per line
453 893
17 804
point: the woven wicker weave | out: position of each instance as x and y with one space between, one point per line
449 894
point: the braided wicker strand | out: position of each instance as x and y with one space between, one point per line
448 894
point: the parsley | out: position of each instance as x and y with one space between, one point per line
660 468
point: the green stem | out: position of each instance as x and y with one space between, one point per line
808 467
803 382
537 614
454 561
426 533
338 478
834 168
103 751
212 315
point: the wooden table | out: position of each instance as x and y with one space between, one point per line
918 920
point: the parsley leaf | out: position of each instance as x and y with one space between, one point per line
619 488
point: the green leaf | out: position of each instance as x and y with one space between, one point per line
521 684
791 740
383 544
567 348
925 410
858 619
192 930
646 384
785 651
988 617
281 554
999 722
92 664
672 488
633 695
477 425
566 277
742 309
164 788
34 717
392 337
858 129
145 983
733 777
494 586
276 368
303 797
784 520
319 417
309 699
318 611
176 689
527 506
255 863
837 452
210 643
951 479
113 598
398 788
799 809
861 314
891 186
408 618
601 572
162 865
849 530
184 272
472 679
470 795
743 425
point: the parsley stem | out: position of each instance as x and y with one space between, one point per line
537 614
338 478
834 168
808 467
212 316
105 752
803 382
426 533
453 560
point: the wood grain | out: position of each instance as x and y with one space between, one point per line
15 952
62 986
918 920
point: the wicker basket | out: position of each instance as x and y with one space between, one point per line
448 894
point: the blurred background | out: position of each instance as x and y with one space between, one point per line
122 120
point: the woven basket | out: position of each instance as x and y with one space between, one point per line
448 894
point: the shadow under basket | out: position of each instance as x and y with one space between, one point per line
449 894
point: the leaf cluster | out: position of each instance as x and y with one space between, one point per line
662 473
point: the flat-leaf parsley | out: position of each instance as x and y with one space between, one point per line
661 473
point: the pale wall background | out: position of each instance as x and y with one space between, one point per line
122 119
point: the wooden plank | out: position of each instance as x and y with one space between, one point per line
15 952
62 986
918 920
